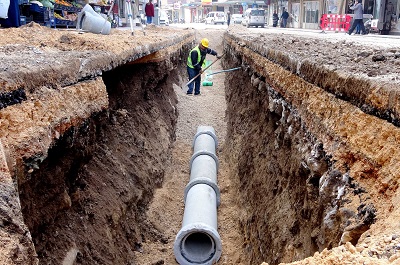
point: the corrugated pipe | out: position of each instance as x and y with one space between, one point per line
198 241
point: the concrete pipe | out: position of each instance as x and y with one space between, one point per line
203 169
205 140
204 162
198 241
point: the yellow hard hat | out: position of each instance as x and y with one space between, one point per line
204 42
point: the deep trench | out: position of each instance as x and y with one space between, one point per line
89 196
92 189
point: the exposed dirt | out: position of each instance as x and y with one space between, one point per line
309 177
75 205
83 201
89 207
166 209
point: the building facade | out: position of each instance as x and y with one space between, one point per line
304 14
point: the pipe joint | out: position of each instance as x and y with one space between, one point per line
206 130
207 181
204 152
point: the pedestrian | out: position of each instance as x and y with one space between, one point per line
149 10
195 62
228 14
358 29
284 17
275 19
358 17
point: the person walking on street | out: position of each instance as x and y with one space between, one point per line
284 17
228 17
275 19
358 17
358 30
149 10
195 62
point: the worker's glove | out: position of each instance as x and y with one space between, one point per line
219 56
201 71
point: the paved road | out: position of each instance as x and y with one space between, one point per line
386 41
389 41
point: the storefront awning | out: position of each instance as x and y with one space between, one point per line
206 2
247 3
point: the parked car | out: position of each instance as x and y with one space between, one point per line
254 17
164 20
215 18
237 18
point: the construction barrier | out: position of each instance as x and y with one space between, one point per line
335 23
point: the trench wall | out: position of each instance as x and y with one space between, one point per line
310 165
84 135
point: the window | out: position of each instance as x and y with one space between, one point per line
258 12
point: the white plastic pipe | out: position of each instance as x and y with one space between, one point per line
90 20
198 242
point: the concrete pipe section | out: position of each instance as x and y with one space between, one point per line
198 241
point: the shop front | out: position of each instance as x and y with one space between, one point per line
311 15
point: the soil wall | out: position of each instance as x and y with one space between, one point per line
311 168
87 122
85 133
91 191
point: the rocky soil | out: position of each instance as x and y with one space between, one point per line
320 143
88 221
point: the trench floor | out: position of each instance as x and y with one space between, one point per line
166 210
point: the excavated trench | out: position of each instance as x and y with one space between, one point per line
306 176
89 196
279 164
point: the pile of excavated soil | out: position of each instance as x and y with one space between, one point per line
75 186
154 245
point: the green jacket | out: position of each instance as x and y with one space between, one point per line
196 58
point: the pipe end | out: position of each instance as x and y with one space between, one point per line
198 244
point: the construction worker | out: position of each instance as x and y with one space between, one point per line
195 62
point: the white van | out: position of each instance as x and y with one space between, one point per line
254 17
164 20
215 18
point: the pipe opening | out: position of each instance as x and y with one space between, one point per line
198 247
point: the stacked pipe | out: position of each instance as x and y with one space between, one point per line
198 241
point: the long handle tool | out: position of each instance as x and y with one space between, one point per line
227 70
129 13
191 80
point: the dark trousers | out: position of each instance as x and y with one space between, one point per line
355 23
284 22
196 83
